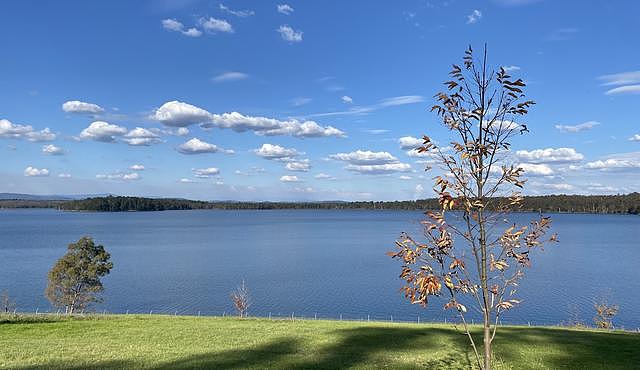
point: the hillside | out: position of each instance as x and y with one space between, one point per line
179 342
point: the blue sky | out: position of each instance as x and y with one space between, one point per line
302 100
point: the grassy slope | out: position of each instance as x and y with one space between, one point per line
167 342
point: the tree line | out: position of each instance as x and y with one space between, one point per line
621 204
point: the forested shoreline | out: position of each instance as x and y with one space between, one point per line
610 204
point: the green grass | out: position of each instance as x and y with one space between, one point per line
179 342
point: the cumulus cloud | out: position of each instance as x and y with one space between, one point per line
214 25
197 146
76 106
9 130
102 131
237 13
635 137
368 162
186 181
360 157
175 26
550 155
179 114
36 172
133 176
141 137
52 150
532 169
205 173
276 152
613 164
300 166
289 34
230 76
577 128
289 178
136 167
347 99
409 142
284 9
474 17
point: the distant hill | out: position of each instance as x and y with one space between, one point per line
18 196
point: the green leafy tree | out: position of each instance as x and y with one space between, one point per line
74 280
471 255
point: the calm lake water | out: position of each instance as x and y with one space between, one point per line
305 262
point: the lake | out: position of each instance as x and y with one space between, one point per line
305 262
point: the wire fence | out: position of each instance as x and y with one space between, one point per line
293 316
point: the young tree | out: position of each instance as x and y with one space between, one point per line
74 280
464 256
6 303
241 300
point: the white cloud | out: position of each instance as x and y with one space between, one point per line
474 17
136 167
577 128
619 79
613 164
284 9
635 137
102 131
76 106
550 155
324 176
362 157
52 150
10 130
120 176
300 166
36 172
182 131
289 34
230 76
376 131
197 146
179 114
377 169
186 181
368 162
276 152
347 99
204 173
237 13
64 175
401 100
271 127
532 169
511 68
405 177
214 25
629 89
176 26
409 142
288 178
192 32
141 137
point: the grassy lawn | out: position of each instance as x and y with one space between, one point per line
179 342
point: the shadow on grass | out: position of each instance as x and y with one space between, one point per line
412 347
367 346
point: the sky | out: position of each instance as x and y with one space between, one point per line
303 100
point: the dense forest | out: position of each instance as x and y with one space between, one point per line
624 204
